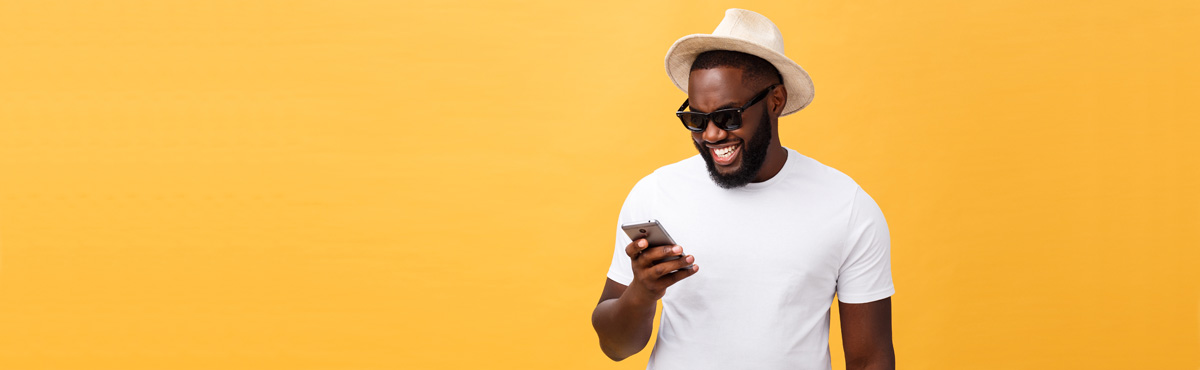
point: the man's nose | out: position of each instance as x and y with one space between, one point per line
713 133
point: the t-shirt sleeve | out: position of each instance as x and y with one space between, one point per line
636 208
866 271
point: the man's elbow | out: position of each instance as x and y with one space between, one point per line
614 355
617 342
617 352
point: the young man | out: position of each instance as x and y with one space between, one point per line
777 233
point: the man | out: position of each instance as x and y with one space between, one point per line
778 233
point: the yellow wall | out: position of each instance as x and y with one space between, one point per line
433 185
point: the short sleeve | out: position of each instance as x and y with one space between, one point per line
636 208
866 271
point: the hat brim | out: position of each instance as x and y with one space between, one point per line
681 55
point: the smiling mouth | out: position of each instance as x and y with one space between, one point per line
725 155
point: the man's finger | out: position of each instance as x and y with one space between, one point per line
676 276
651 255
667 267
635 247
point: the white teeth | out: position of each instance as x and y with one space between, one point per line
724 152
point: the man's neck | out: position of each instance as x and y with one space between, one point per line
776 157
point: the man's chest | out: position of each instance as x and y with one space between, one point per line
751 240
761 264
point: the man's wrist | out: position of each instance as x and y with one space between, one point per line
635 299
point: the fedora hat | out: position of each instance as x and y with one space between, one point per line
747 32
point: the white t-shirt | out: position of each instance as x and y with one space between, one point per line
771 255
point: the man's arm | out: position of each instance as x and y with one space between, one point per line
623 325
867 335
624 317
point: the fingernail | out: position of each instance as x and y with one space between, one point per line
690 259
677 249
642 243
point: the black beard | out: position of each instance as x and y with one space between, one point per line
753 154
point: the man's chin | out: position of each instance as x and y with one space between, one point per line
728 170
728 177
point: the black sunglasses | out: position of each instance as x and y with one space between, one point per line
727 119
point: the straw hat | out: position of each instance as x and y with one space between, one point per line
751 33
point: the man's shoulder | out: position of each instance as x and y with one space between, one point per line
690 169
687 168
813 171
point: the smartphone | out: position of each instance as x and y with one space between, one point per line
653 232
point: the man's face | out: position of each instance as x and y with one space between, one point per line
733 157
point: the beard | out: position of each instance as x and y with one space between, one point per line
753 155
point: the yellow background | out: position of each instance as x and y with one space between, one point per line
434 185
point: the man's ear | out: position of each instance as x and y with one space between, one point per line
778 98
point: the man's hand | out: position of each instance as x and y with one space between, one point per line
651 274
624 317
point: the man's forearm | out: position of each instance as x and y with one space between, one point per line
623 325
884 359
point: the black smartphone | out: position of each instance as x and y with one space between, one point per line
653 232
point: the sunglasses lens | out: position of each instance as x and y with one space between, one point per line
694 122
727 120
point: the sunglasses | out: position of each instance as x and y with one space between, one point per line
727 119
